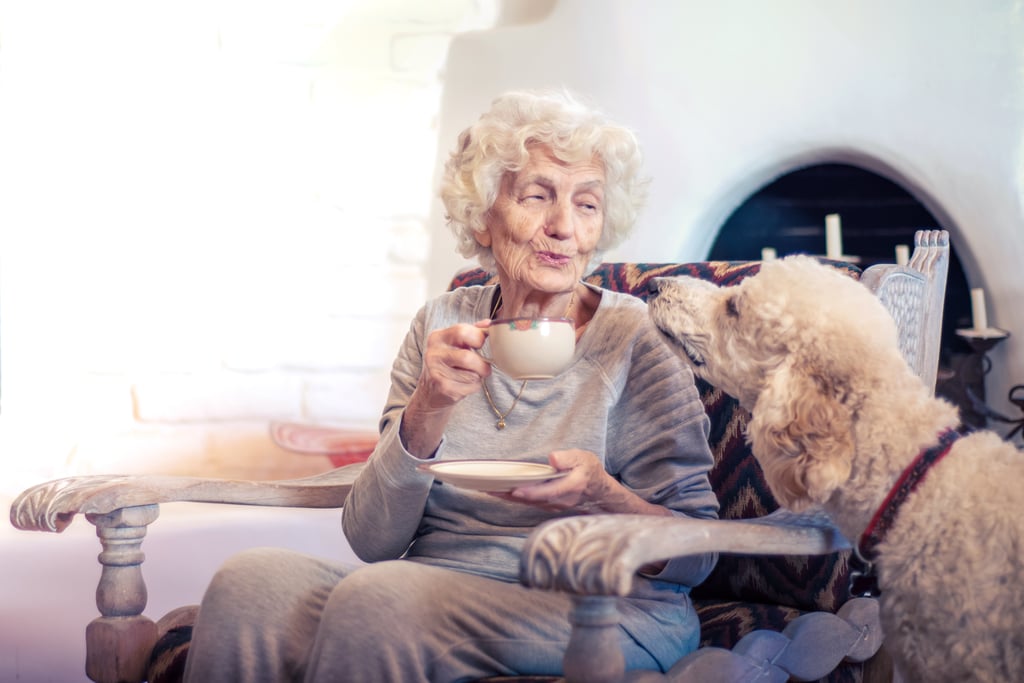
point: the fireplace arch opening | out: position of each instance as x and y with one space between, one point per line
876 214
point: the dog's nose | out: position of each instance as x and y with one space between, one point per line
653 287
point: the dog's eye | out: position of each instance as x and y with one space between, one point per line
730 307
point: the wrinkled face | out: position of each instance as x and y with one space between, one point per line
546 222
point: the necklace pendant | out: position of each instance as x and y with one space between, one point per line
500 424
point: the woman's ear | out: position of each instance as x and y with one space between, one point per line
482 237
800 434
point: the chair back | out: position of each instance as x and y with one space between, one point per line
914 295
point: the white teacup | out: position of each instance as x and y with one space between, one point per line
532 348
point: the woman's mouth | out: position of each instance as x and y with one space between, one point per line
552 258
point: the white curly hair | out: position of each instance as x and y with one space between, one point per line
498 144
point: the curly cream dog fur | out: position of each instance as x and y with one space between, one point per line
837 415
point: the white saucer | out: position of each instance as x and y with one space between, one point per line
491 475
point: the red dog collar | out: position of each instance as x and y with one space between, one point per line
909 480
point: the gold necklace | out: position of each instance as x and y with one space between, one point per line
500 424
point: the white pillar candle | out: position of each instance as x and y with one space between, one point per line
978 315
833 237
902 254
768 254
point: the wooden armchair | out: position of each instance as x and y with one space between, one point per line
776 606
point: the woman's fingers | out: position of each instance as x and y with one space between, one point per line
452 367
578 489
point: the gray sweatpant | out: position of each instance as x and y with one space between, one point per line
275 615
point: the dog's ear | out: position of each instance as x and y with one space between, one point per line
800 433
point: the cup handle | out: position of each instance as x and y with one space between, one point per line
480 352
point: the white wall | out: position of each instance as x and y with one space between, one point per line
726 95
213 215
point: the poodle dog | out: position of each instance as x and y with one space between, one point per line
840 420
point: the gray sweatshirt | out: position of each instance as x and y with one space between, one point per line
626 397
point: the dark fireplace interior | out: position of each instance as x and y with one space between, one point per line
877 214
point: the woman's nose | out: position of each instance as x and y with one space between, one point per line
560 221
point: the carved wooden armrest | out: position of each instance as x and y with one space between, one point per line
119 641
595 558
600 554
53 505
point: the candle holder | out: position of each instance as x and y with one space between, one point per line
971 375
982 341
1016 397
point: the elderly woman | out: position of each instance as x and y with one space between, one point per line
536 190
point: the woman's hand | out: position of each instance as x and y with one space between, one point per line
587 487
452 370
583 488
